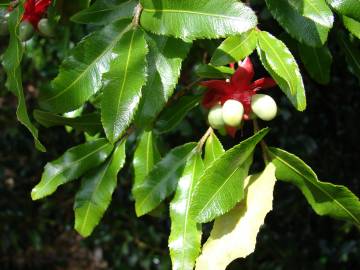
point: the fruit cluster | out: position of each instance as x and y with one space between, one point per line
236 99
231 113
32 20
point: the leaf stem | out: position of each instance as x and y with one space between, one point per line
203 139
137 12
263 145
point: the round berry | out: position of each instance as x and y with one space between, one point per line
264 106
232 112
26 31
45 28
215 117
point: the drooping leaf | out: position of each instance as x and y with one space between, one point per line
162 180
280 63
145 156
94 195
325 198
222 184
234 234
317 62
122 89
71 165
12 66
164 63
352 53
185 235
81 73
308 21
350 8
352 25
191 20
210 71
103 12
174 114
88 122
235 48
213 149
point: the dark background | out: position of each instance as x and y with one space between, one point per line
39 235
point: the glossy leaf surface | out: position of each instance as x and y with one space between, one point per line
191 20
308 21
325 198
123 83
145 157
185 236
88 122
350 8
280 63
234 234
12 66
80 74
164 64
103 12
94 195
213 149
352 25
235 48
71 165
222 184
162 180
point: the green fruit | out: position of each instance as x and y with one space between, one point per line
264 106
4 27
232 112
215 117
45 28
26 31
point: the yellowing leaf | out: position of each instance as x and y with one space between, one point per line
234 234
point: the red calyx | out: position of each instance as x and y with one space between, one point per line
240 87
35 10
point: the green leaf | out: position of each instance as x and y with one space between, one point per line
235 48
103 12
89 123
222 184
308 21
191 20
81 73
317 62
94 195
122 89
174 114
213 149
210 71
12 66
234 234
145 156
280 63
350 8
162 180
71 165
352 25
352 53
185 235
164 64
325 198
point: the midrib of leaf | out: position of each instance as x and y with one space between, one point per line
188 199
319 188
73 163
240 44
124 80
110 47
147 153
78 123
222 185
91 200
193 12
281 63
167 175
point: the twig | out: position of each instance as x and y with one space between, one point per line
203 139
